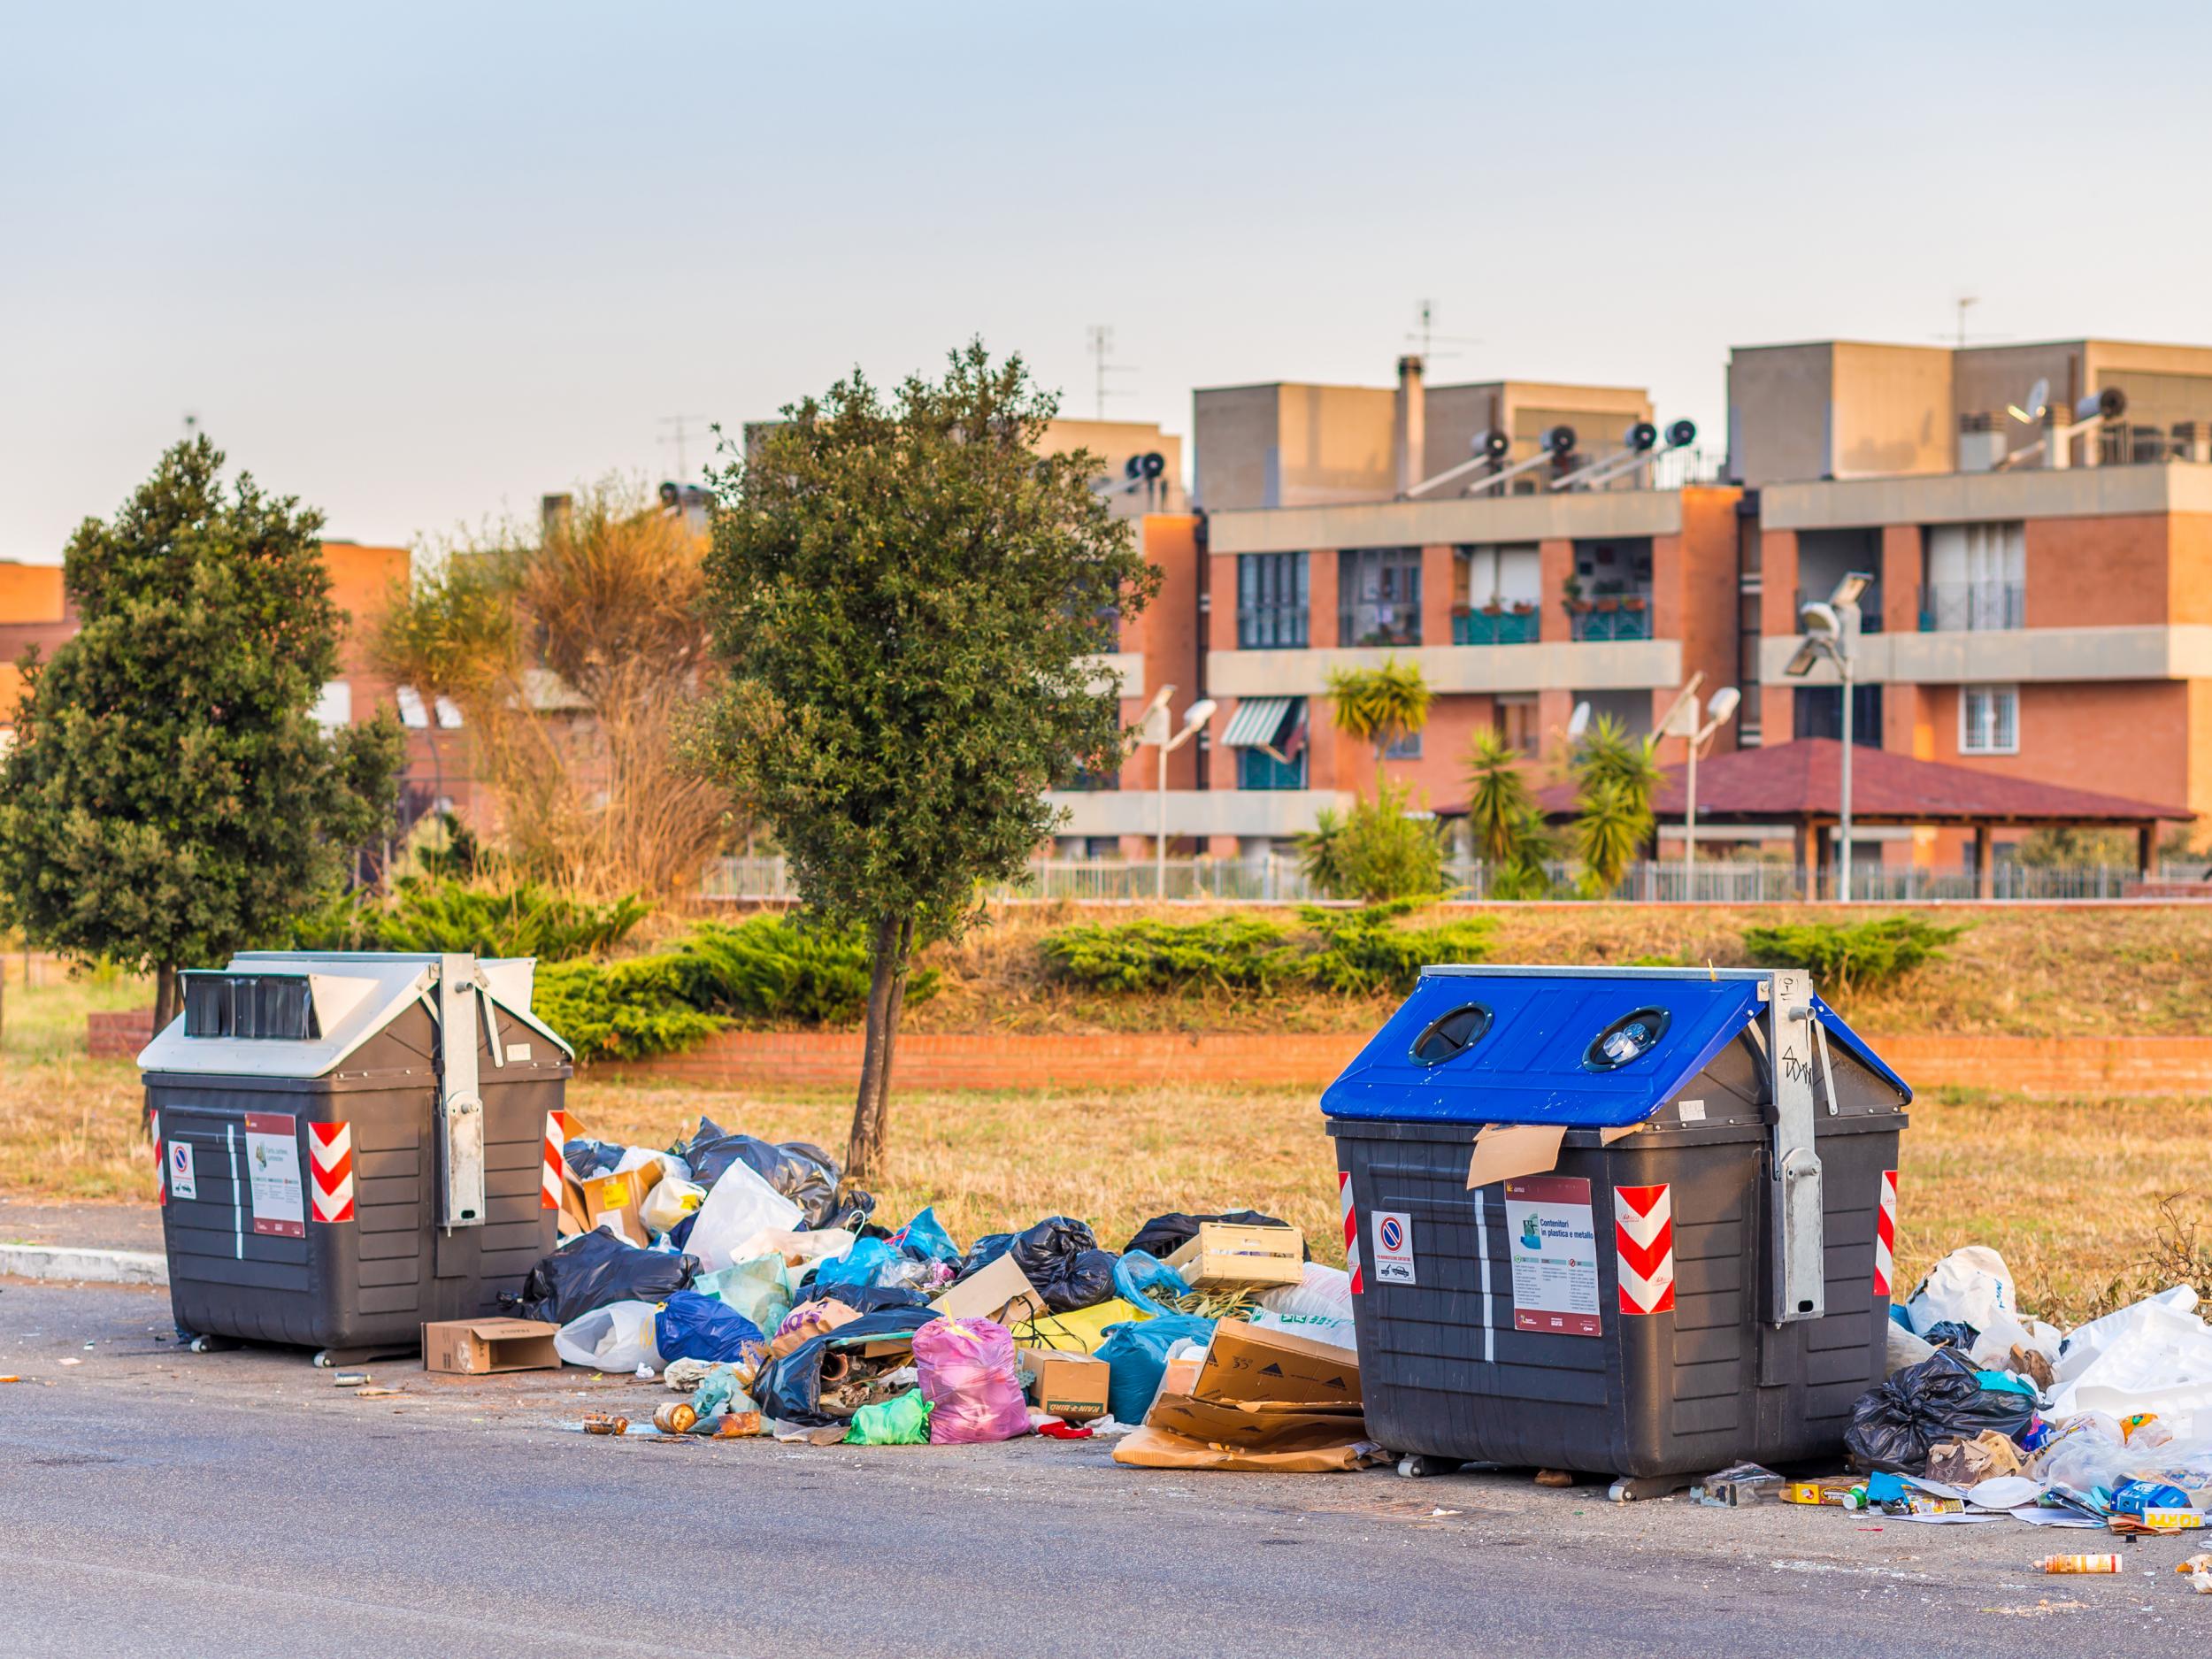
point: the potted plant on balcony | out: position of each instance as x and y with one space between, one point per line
1523 608
1633 602
1608 603
1570 592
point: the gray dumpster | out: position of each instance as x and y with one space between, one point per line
1632 1222
351 1145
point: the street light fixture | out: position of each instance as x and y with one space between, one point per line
1155 727
1682 721
1832 633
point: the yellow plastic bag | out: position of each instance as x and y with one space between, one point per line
1080 1332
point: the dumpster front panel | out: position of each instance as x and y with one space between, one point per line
1461 1357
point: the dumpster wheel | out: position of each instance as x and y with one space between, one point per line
1630 1488
1417 1466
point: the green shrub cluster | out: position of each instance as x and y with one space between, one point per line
522 920
1378 850
1847 956
1352 953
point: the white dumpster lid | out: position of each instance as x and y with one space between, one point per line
356 993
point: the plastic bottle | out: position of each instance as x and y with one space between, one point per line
2080 1563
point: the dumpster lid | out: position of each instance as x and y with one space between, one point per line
1532 1059
356 993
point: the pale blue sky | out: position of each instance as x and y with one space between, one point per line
420 263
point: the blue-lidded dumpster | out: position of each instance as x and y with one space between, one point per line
1628 1221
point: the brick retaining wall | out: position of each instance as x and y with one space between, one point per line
110 1036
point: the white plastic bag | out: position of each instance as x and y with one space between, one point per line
2085 1343
1316 1328
1972 1286
738 1206
669 1201
672 1168
1321 1292
616 1338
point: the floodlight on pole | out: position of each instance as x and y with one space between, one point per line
1717 714
1578 722
1831 632
1194 718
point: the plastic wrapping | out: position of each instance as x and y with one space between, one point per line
789 1389
667 1202
968 1374
615 1338
901 1422
873 1264
924 1237
596 1268
690 1326
1140 1276
740 1207
760 1289
2152 1356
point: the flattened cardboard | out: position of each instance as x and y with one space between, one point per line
1157 1448
1503 1151
477 1347
1246 1363
1072 1386
1258 1427
1001 1292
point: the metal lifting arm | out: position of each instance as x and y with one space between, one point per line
460 1107
1794 1203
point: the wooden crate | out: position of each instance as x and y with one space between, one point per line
1226 1253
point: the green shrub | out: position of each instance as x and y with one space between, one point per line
620 1011
1847 956
1235 953
773 967
1353 952
524 920
1377 851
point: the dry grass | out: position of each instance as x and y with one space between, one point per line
2069 1191
2018 971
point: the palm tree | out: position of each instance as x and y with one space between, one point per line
1381 706
1618 775
1498 798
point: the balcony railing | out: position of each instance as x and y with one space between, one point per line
1973 607
1621 623
1869 605
1495 628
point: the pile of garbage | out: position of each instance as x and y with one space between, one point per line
1988 1414
754 1280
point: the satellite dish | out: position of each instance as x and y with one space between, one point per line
1681 433
1154 463
2038 398
1492 445
671 497
1640 435
1559 440
1578 722
1134 467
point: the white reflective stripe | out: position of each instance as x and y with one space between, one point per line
237 1195
1482 1251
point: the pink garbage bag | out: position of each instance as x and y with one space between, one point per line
968 1377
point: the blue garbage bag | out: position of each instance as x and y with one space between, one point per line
863 1264
926 1237
1135 1353
693 1326
1138 1275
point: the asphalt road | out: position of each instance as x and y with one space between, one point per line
159 1503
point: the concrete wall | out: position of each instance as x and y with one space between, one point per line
1779 399
1893 410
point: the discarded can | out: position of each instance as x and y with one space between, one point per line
350 1378
2078 1564
675 1417
605 1423
736 1425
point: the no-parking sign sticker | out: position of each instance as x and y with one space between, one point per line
1393 1247
181 1184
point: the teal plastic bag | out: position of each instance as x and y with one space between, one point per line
901 1422
759 1289
717 1395
926 1236
1136 1359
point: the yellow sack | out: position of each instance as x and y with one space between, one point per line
1077 1333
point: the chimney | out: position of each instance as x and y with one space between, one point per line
1411 425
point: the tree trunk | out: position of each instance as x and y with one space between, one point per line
901 968
165 1006
865 1146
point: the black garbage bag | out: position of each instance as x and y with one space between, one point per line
1061 1257
801 1171
864 1299
1940 1399
1163 1235
587 1158
1951 1333
985 1251
854 1207
790 1389
595 1270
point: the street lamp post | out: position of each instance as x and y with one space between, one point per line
1154 729
1684 723
1831 635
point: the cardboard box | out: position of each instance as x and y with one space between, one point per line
1246 1363
619 1199
1001 1292
477 1347
1069 1385
1257 1426
1228 1253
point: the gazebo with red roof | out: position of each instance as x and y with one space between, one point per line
1800 784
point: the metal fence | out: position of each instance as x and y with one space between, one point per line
1276 878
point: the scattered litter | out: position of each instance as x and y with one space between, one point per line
72 1360
2040 1610
2080 1563
349 1379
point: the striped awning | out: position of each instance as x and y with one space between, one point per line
1258 722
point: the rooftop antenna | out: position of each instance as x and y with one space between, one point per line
191 426
1958 337
1966 301
1099 341
678 437
1425 335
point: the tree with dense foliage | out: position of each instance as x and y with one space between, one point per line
1375 850
1617 777
1381 706
448 633
170 797
908 598
1510 833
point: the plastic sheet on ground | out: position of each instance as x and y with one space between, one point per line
2155 1355
616 1338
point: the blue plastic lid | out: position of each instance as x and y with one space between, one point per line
1538 1060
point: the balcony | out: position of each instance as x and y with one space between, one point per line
1628 618
1869 604
1973 607
1496 627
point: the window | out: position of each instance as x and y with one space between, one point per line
1406 746
1257 769
1517 724
1977 578
1268 735
1818 712
1379 596
1270 602
1989 720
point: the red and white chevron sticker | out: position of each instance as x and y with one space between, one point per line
1351 1229
1885 1234
550 1182
161 1164
1643 1238
330 1157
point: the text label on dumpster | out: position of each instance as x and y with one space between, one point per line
1555 1248
272 1170
1393 1247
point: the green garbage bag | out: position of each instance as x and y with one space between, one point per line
759 1289
901 1422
